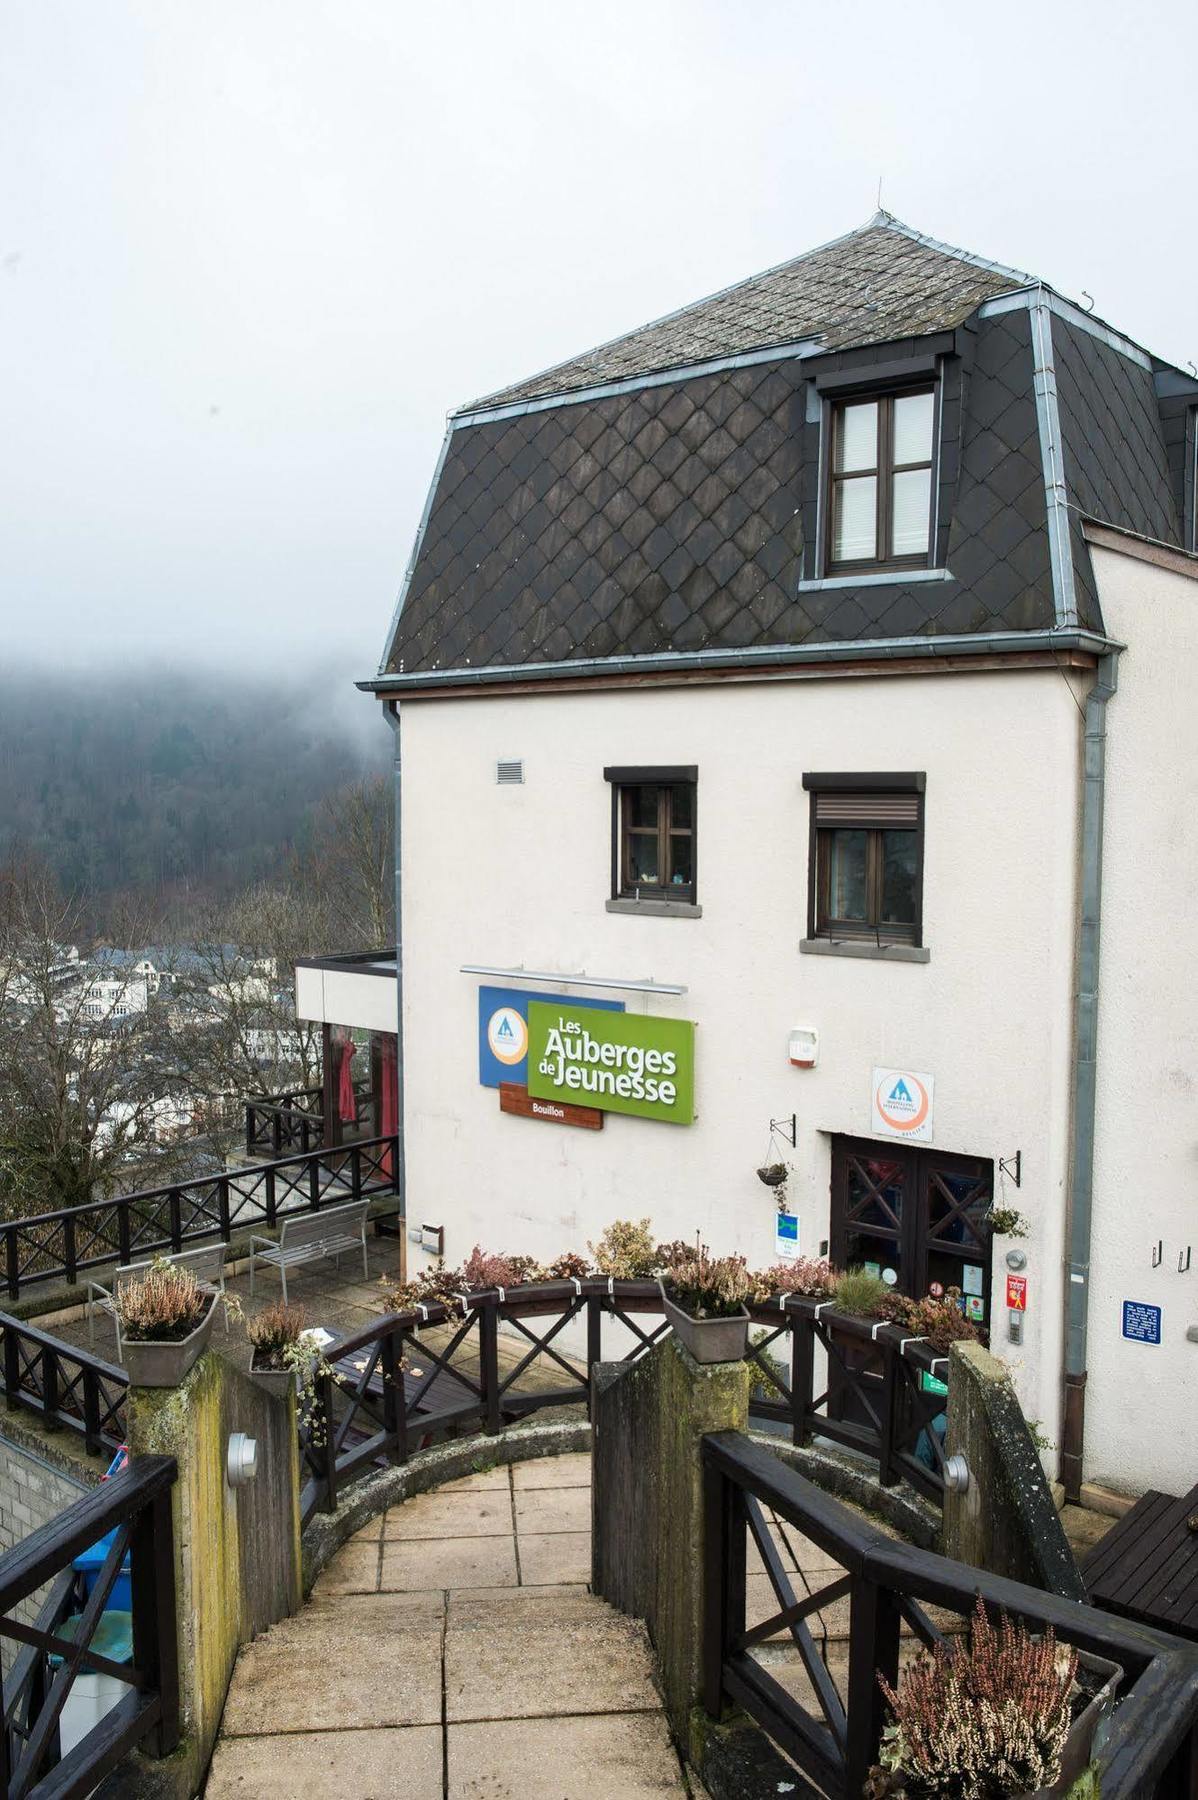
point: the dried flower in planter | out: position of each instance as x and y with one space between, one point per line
706 1286
274 1331
164 1306
989 1720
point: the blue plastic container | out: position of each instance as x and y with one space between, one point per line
89 1562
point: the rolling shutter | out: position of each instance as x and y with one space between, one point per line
876 811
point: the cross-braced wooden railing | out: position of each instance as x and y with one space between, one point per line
68 1388
275 1123
136 1508
1149 1750
391 1391
132 1227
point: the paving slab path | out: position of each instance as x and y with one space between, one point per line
453 1651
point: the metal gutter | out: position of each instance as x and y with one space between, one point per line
401 1161
621 384
928 649
1052 458
1085 1071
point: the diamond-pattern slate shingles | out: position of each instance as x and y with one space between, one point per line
871 287
609 542
670 517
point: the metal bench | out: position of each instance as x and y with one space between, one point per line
313 1237
206 1264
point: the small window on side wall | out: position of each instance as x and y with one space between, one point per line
880 481
654 833
865 875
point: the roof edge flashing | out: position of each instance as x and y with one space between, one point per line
927 649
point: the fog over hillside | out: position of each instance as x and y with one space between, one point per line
174 784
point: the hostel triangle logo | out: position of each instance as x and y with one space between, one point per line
900 1093
505 1029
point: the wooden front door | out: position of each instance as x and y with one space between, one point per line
916 1216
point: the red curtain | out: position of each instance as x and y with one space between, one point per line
347 1110
388 1099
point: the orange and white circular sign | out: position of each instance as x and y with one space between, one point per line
902 1103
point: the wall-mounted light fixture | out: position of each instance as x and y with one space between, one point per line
241 1464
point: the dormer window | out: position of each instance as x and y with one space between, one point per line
880 481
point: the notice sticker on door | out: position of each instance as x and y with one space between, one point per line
971 1278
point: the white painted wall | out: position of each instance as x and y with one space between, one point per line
511 875
1141 1413
340 997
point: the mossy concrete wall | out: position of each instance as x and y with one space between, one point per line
1005 1520
237 1551
649 1419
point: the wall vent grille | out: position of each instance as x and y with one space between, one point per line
509 771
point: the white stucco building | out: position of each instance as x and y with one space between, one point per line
813 666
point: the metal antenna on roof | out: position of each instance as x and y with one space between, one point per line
1090 298
879 193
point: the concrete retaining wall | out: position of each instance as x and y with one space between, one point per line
1005 1520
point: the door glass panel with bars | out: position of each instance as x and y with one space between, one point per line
921 1212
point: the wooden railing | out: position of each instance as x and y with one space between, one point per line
66 1387
1149 1749
278 1122
130 1227
372 1410
136 1508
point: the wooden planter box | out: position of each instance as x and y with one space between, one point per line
709 1340
158 1363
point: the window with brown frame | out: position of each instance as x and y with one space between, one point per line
865 877
654 835
880 481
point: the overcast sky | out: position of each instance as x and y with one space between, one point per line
252 251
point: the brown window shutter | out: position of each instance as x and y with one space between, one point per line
868 811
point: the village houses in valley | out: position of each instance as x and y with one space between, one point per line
795 758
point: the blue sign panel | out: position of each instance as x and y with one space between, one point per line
503 1030
1141 1323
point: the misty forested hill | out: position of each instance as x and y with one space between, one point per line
167 783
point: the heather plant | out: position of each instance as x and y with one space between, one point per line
811 1276
162 1306
626 1250
487 1269
706 1286
989 1720
274 1331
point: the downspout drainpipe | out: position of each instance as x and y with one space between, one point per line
1085 1070
391 713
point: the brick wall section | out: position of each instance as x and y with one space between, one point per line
33 1490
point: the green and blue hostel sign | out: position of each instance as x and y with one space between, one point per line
618 1062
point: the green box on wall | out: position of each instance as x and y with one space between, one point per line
618 1062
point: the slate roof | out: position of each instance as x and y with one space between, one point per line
871 286
628 503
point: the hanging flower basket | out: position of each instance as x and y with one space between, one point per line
773 1174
